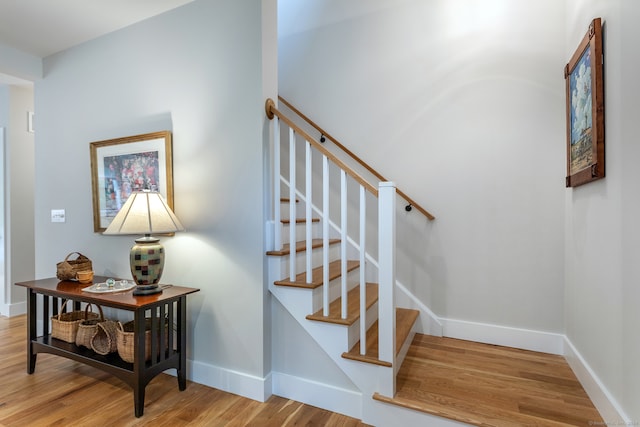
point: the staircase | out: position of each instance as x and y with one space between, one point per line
332 267
339 335
332 264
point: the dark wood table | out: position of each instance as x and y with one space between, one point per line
170 334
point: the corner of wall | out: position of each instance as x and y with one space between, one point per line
605 403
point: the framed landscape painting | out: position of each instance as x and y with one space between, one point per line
123 165
585 109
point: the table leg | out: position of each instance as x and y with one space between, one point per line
138 400
182 343
139 361
32 333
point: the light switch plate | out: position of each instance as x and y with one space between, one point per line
57 215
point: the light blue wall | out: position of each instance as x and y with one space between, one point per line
602 233
17 168
196 71
461 104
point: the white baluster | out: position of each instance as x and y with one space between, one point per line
292 205
363 283
325 235
343 241
309 202
277 173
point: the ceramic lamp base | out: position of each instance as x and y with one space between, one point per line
147 262
147 290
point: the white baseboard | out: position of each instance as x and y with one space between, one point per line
545 342
334 399
350 402
235 382
11 310
611 412
428 322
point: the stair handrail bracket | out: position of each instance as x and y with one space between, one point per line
269 106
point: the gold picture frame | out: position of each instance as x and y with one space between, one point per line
122 165
585 109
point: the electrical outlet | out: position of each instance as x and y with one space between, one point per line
57 215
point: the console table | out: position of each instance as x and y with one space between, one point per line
168 337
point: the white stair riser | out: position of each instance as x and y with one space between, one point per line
354 330
402 353
284 209
301 260
335 289
296 300
301 231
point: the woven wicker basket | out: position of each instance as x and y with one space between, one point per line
67 269
104 341
87 328
126 340
64 326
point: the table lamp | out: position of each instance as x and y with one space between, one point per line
145 212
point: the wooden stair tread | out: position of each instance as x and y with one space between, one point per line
301 246
438 410
299 220
335 268
405 318
353 306
489 385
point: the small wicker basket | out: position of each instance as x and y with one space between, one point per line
126 340
64 326
104 341
87 328
68 269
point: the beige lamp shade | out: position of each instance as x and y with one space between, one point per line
145 212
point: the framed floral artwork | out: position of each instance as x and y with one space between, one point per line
123 165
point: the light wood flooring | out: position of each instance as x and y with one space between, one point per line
474 383
66 393
489 385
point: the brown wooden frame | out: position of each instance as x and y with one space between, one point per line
585 150
122 147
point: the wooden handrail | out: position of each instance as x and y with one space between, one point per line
271 110
410 201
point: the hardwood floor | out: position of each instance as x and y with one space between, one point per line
489 385
474 383
66 393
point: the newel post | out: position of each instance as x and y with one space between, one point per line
387 270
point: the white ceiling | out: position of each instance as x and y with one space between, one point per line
44 27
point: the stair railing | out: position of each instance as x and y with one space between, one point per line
325 135
386 195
